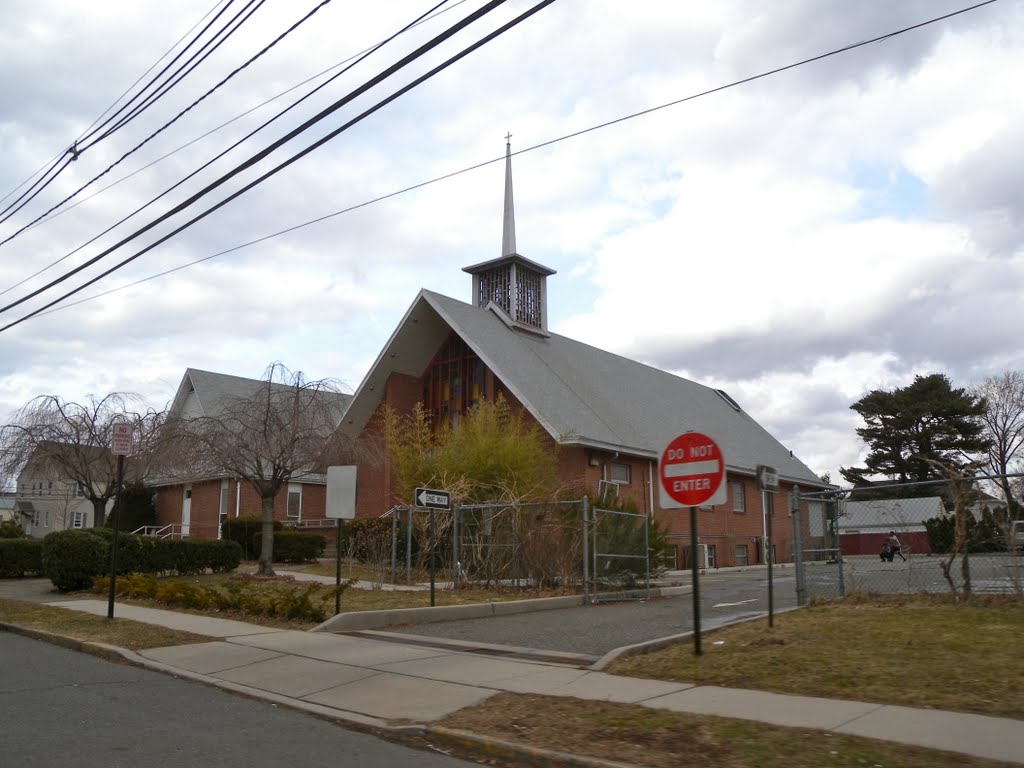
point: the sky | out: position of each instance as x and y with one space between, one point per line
798 240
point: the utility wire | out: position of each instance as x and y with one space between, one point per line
354 61
425 48
127 91
426 17
168 124
152 84
74 150
48 308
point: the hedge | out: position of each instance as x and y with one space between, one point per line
247 530
70 561
297 546
20 557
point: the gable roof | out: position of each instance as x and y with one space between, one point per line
886 514
205 393
581 395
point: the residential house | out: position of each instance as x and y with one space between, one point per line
609 416
197 506
47 499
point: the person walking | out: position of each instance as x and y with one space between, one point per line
894 546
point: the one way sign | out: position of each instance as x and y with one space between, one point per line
432 499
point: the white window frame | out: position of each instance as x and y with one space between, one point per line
737 489
612 465
78 518
222 508
293 488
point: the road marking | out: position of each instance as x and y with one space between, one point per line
729 605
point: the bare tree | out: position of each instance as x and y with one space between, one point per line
71 442
282 431
1004 423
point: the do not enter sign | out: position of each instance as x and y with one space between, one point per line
692 469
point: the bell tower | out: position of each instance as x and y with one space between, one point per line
512 283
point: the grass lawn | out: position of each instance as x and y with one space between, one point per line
656 739
916 651
123 633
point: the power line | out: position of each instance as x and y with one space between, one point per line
535 147
46 218
75 150
126 92
541 145
332 134
171 122
154 65
224 30
355 60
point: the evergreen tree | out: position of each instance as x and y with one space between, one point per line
910 427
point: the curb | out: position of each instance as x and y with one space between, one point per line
364 620
517 753
664 642
472 743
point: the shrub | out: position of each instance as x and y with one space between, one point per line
368 537
11 530
247 530
20 557
72 559
298 546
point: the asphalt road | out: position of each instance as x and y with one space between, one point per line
64 708
594 630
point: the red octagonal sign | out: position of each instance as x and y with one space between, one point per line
691 468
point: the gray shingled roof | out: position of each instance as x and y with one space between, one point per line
886 514
215 391
580 394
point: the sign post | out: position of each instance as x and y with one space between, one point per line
341 505
432 499
691 470
768 484
120 446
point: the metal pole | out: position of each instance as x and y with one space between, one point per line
769 508
408 546
586 556
647 553
394 545
430 554
113 543
455 546
798 549
337 567
695 577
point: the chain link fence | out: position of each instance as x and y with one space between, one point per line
558 544
835 557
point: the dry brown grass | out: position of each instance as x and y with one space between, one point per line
916 651
123 633
659 739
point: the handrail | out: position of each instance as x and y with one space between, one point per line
169 531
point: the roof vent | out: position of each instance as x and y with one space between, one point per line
725 396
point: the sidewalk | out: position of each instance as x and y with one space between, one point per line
389 681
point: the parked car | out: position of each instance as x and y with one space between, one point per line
1017 535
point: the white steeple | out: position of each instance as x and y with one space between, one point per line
511 284
508 230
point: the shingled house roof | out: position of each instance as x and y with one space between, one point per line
580 394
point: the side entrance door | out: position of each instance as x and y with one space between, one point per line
186 510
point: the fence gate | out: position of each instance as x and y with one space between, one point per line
621 554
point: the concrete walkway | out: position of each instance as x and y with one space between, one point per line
386 681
